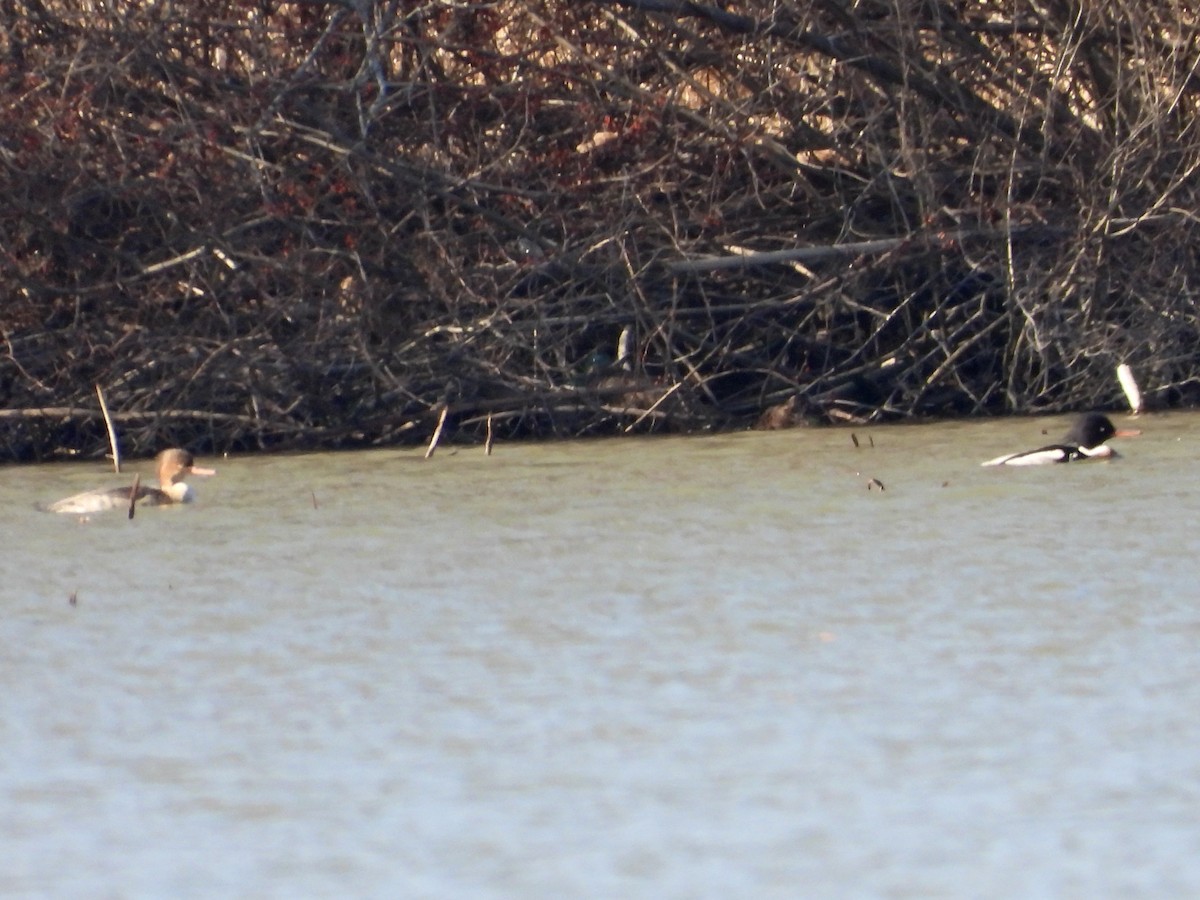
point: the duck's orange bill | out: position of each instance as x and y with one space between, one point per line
201 470
1127 432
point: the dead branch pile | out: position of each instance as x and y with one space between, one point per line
323 223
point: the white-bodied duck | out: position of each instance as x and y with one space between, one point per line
1085 440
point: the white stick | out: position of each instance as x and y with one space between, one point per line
112 433
437 432
1130 387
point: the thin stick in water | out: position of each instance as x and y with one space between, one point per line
487 444
437 432
133 493
112 432
1130 386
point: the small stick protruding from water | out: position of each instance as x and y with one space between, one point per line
112 432
74 598
487 443
1130 386
314 498
854 438
133 493
872 483
437 432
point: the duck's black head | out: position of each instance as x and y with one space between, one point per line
1090 430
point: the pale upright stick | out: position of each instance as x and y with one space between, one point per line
437 432
1130 386
112 432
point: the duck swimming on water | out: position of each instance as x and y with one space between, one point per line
1085 440
173 466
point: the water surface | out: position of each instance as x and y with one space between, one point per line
684 667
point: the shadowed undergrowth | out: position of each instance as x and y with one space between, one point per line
268 225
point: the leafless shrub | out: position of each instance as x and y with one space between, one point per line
319 224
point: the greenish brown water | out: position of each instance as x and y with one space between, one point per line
702 667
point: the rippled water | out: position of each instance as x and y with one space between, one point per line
704 667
